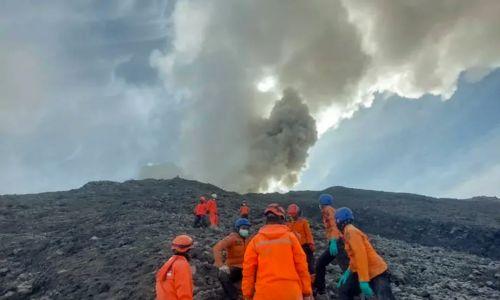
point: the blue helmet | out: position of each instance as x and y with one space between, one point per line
241 222
343 214
326 199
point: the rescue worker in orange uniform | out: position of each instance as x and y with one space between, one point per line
275 266
300 226
212 211
174 280
367 273
230 269
244 210
335 246
200 213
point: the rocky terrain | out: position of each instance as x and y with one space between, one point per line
106 240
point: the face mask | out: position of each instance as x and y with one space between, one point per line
243 232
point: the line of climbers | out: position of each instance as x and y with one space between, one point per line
278 261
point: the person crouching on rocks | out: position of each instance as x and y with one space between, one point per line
275 266
200 213
174 280
367 273
230 270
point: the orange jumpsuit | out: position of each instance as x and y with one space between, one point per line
235 246
363 258
212 212
244 211
302 230
274 266
328 217
174 280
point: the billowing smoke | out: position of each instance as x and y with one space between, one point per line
230 61
279 149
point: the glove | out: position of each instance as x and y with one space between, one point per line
224 269
333 247
366 289
343 278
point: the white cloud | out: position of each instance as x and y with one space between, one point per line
485 183
266 84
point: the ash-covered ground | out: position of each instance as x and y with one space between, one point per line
106 240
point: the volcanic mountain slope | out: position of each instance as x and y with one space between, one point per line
106 240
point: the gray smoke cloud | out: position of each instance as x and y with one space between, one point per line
230 60
279 149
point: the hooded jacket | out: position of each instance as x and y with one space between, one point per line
275 266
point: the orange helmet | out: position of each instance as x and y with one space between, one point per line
275 209
293 210
182 243
203 199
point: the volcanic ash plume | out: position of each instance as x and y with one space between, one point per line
229 61
280 145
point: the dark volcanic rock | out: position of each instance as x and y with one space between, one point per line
106 239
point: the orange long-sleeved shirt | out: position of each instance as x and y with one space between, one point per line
235 246
302 230
328 217
275 266
174 280
200 209
212 206
244 210
363 258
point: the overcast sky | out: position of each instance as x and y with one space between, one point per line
386 96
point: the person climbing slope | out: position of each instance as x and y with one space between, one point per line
274 265
230 269
200 213
335 245
212 211
174 279
244 210
367 273
300 226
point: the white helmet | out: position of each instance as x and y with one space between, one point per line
214 195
